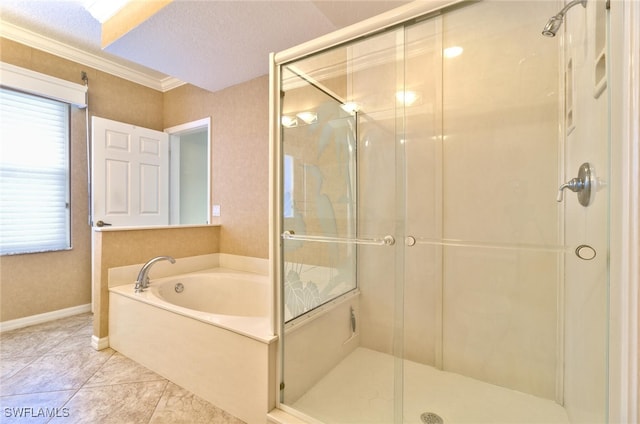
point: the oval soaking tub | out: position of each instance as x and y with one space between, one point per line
207 331
235 300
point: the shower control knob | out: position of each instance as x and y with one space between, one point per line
575 185
583 185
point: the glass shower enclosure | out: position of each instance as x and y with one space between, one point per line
424 262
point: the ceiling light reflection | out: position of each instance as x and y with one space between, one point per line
350 107
289 121
452 51
308 117
407 98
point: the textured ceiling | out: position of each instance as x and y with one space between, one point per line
209 43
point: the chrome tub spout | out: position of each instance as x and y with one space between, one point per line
142 282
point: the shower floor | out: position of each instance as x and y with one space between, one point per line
359 390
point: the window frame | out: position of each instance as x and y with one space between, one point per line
44 86
61 169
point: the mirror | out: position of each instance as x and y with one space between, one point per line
189 173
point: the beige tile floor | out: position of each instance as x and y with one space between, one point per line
49 373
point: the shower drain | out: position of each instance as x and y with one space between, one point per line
431 418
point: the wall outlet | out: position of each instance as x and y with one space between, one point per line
215 211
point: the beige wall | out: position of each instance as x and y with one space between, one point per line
240 146
38 283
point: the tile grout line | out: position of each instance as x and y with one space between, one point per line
74 394
85 387
155 408
35 358
46 353
85 382
66 402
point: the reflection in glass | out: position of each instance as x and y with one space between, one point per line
319 158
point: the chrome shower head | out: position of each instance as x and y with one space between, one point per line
553 25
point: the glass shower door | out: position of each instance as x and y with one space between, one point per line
343 202
428 269
483 262
319 196
498 303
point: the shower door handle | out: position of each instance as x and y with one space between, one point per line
387 240
583 184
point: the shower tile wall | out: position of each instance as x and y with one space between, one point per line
486 313
586 291
500 180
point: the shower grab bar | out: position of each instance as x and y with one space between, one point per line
489 245
387 240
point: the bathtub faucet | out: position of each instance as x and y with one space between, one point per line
142 282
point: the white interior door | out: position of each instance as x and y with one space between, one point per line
130 174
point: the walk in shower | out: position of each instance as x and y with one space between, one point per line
427 271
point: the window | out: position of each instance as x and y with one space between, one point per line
34 173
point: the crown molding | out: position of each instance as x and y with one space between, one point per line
49 45
169 83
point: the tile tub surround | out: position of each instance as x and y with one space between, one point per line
52 368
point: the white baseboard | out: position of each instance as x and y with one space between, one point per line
14 324
99 343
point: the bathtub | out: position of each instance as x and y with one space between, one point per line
235 300
207 331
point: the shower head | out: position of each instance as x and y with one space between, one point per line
553 25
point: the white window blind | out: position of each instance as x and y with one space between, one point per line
34 174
